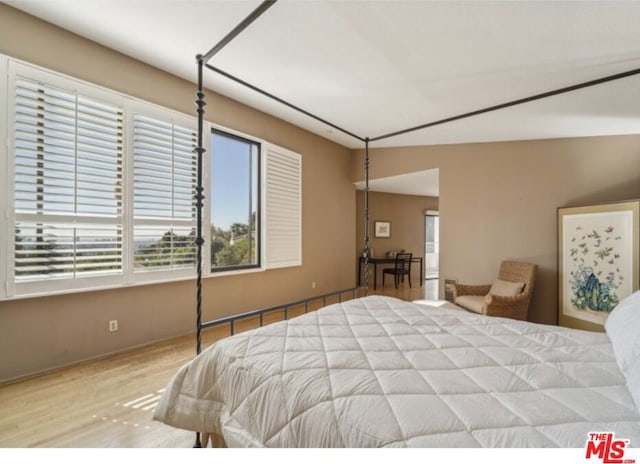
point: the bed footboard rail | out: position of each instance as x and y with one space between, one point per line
305 303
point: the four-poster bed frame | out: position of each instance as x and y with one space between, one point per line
202 62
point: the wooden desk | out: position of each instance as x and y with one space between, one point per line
376 261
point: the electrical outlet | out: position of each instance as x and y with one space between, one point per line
313 285
113 325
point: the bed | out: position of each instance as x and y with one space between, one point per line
381 372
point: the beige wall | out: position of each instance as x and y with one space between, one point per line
406 214
499 200
39 334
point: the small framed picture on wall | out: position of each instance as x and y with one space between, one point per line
382 229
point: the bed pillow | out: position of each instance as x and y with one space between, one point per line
623 327
504 288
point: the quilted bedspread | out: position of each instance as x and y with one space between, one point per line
381 372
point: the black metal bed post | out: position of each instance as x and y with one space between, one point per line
199 197
366 216
200 150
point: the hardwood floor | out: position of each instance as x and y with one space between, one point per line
109 403
106 403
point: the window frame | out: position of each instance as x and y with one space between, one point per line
11 70
160 113
214 129
6 212
12 288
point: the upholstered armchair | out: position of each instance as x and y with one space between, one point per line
508 296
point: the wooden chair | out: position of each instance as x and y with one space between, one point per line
509 296
401 268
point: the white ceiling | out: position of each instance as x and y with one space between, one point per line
375 67
424 183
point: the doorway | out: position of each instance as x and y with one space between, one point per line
432 254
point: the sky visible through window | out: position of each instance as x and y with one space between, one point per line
230 182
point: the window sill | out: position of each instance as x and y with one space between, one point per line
96 287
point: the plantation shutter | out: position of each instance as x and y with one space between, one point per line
68 183
283 208
164 187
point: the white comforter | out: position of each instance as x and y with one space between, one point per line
378 372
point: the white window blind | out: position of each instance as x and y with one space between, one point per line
68 176
164 169
283 208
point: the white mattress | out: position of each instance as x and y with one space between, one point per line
381 372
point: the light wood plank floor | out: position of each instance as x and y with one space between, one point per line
109 403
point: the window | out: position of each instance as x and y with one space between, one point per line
68 182
234 188
99 191
101 187
164 183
